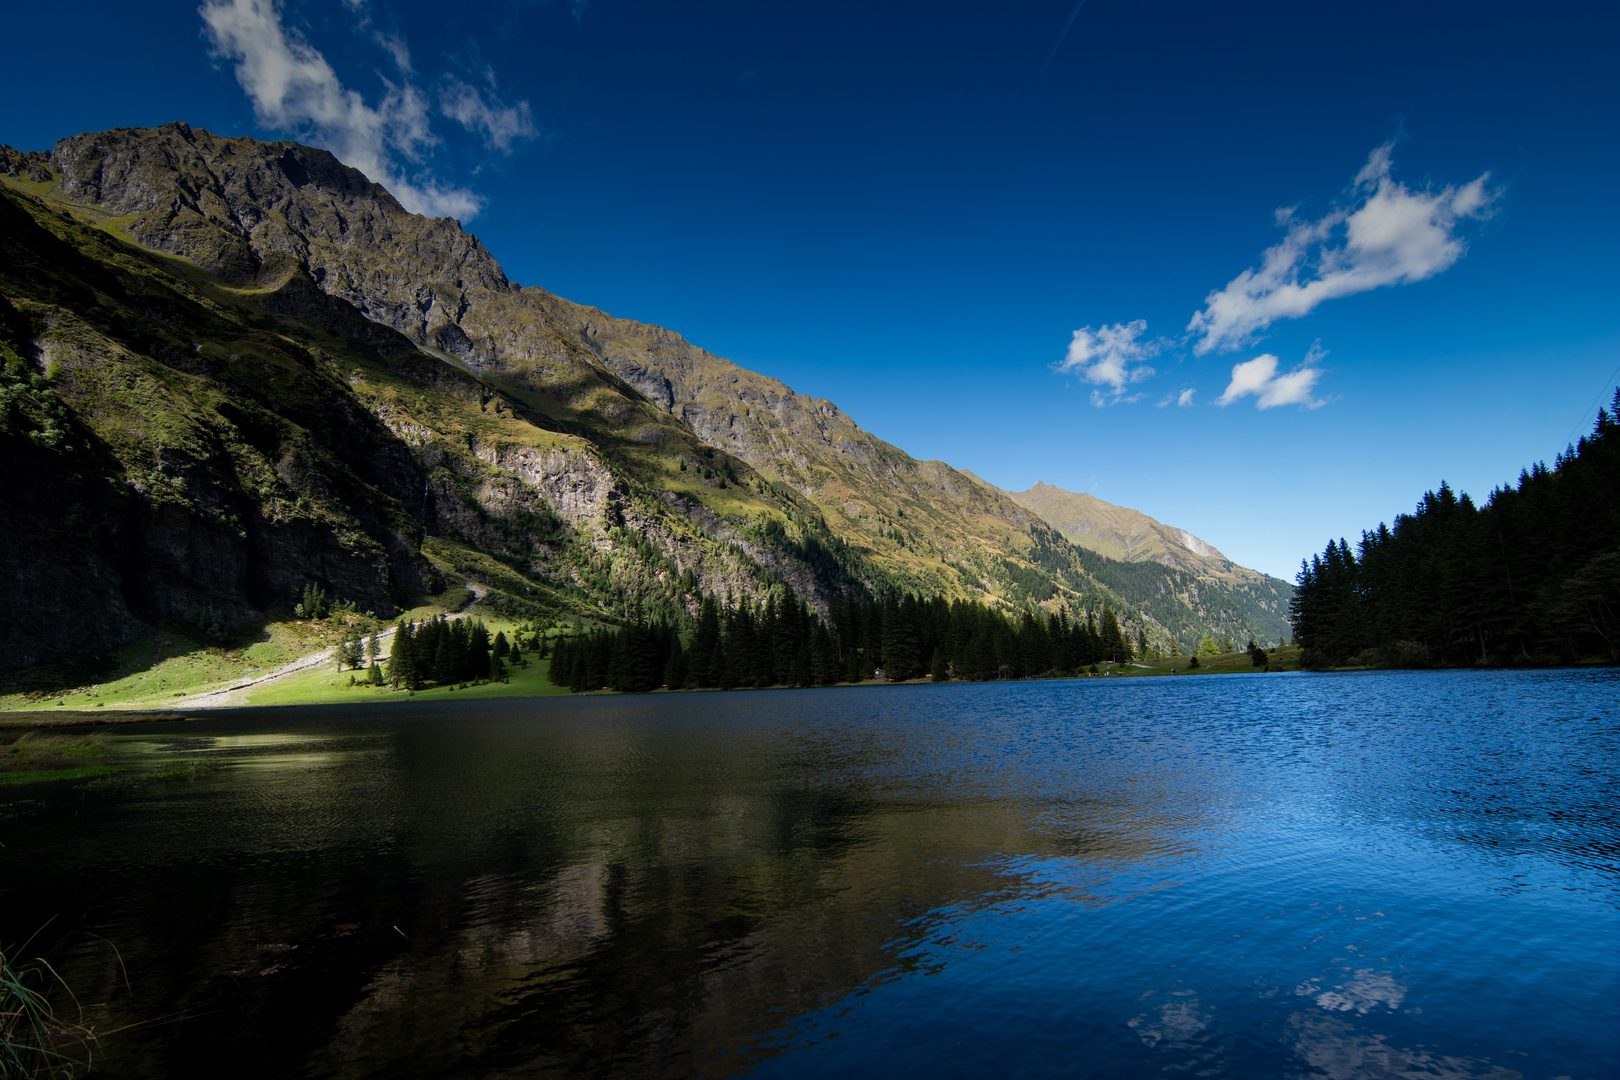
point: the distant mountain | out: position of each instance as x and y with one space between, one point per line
1131 536
1122 533
236 367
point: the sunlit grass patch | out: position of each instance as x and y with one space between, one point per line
40 776
327 686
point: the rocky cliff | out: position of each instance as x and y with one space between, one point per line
268 373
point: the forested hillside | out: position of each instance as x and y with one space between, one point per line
895 637
1533 576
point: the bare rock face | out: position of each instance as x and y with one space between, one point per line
248 210
252 209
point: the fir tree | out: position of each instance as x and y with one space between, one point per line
1112 641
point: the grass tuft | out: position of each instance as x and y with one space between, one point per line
35 1040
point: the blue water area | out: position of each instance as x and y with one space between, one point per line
1345 875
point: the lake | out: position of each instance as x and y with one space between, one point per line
1372 874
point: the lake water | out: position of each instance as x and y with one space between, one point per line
1345 875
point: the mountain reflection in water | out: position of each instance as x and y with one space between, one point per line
1350 875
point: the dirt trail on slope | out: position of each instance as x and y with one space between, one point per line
236 695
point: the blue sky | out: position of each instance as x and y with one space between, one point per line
912 209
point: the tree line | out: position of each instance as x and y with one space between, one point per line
1533 576
447 652
785 643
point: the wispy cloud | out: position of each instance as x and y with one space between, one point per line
499 123
294 89
1110 356
1388 234
1258 378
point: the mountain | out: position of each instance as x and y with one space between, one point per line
237 367
1131 536
1116 531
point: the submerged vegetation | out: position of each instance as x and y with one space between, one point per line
34 756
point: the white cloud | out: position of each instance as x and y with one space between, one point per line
1110 356
1258 378
1185 399
395 46
1388 235
499 123
294 89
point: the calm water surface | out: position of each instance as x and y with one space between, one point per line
1358 875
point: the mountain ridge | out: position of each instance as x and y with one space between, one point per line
671 472
1130 536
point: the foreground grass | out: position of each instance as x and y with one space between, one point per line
35 1040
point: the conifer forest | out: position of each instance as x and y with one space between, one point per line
784 643
1533 576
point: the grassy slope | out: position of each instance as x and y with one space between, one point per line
191 665
1115 531
327 686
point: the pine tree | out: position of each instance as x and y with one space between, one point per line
475 660
675 669
401 668
1113 642
445 661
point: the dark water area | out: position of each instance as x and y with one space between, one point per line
1342 875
